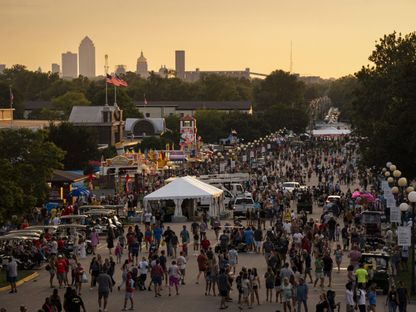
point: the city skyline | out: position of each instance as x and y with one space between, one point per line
330 38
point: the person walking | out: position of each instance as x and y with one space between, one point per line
157 274
11 272
55 301
269 278
105 286
360 298
50 267
286 291
319 265
328 265
95 240
223 288
128 296
78 277
174 277
181 261
402 296
392 301
202 261
372 298
302 295
338 257
349 297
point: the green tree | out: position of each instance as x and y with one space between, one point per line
341 93
124 101
384 110
65 102
77 155
45 114
279 88
27 160
210 125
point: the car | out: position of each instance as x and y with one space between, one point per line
290 186
378 261
332 208
333 199
241 205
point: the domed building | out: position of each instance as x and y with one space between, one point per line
144 127
141 68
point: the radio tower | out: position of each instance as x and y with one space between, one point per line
291 58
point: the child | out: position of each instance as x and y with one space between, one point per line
185 249
119 252
196 241
372 298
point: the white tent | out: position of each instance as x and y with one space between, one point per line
330 132
189 188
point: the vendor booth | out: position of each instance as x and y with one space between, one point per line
192 191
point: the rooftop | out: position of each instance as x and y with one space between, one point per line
193 105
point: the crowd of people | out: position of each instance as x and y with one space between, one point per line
301 254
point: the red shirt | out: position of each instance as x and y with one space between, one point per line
205 244
60 265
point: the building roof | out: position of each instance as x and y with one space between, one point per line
194 105
27 123
37 104
89 114
66 176
158 124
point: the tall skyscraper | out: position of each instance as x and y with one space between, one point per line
69 65
55 69
86 53
180 64
141 68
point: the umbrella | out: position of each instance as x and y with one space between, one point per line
80 192
368 196
356 194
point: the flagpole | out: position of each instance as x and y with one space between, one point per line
106 73
115 96
11 106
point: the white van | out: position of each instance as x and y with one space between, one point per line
290 186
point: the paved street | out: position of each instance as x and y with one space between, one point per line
191 298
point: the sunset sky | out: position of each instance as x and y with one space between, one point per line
331 38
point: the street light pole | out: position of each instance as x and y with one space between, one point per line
412 199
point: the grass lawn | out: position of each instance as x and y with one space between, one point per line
21 274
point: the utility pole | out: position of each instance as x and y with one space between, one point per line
291 58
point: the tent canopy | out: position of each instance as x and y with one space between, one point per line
183 188
331 131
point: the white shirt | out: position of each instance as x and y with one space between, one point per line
181 262
361 299
349 297
143 266
297 237
56 221
232 256
287 227
147 217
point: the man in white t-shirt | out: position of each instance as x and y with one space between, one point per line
143 268
181 262
147 217
297 238
287 226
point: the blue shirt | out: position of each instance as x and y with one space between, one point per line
248 236
372 299
157 232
